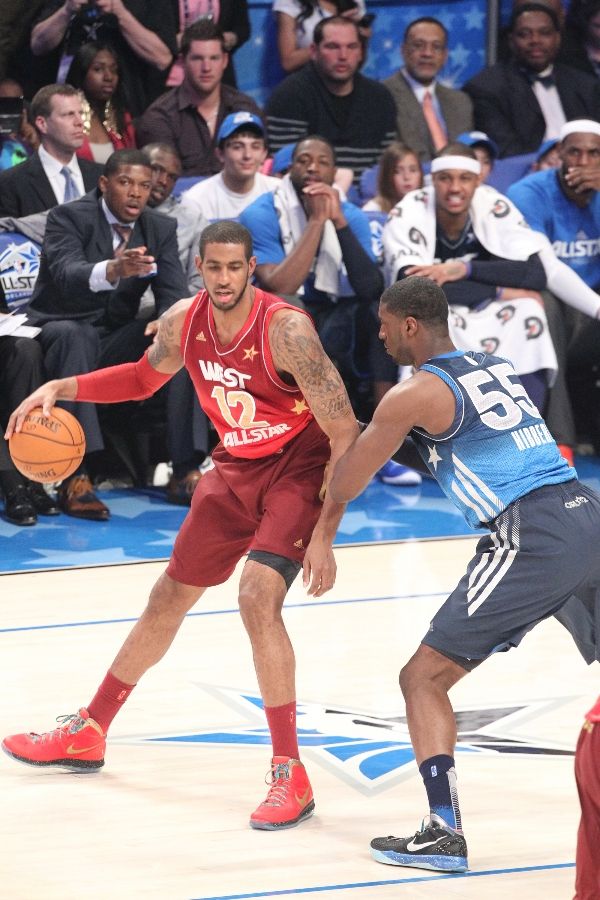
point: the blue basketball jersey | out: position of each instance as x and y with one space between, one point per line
498 447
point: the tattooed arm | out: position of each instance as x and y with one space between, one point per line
297 351
165 353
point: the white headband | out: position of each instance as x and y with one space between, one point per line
455 162
582 126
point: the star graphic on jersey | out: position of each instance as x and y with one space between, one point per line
434 457
370 752
299 407
250 353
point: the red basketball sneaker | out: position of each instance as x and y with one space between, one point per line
290 797
77 745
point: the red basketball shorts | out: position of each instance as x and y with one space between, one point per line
270 504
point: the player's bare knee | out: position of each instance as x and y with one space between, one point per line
171 599
258 611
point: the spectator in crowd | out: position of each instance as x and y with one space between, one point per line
142 33
428 114
547 156
107 124
53 174
166 169
15 27
311 244
398 173
486 151
21 371
188 447
587 776
99 254
231 16
330 97
16 145
550 92
473 242
189 116
242 149
564 205
581 40
296 21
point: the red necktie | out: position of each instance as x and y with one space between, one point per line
437 132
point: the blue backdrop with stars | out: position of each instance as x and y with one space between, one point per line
257 63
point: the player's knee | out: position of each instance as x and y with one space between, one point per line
170 598
257 610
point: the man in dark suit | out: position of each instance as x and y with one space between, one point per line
429 115
53 174
99 255
527 100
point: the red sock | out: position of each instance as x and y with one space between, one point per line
110 697
282 725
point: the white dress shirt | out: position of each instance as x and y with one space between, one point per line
52 167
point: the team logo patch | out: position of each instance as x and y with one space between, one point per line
416 237
534 327
500 209
458 321
370 752
505 314
489 345
200 336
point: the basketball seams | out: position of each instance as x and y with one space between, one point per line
49 448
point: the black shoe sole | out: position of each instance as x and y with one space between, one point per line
30 520
71 765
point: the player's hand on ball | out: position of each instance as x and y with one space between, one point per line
45 397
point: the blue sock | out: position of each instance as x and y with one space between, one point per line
439 776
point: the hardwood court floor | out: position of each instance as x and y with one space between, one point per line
167 817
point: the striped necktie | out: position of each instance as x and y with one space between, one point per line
124 233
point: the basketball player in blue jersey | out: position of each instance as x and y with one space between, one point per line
466 416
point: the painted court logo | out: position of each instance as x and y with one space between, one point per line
368 752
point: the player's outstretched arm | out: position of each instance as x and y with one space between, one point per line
297 350
115 384
423 400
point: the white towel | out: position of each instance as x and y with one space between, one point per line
329 269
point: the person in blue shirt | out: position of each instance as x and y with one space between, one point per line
310 243
564 205
465 416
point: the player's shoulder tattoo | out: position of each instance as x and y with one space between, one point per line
296 349
168 338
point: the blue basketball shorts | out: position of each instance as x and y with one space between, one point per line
540 559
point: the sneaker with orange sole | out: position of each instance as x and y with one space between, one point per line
290 797
77 745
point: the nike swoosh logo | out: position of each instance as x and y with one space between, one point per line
303 800
73 750
411 846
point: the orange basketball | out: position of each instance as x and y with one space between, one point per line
48 448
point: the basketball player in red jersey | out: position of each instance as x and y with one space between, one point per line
587 775
282 412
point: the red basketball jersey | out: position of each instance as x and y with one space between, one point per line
254 411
